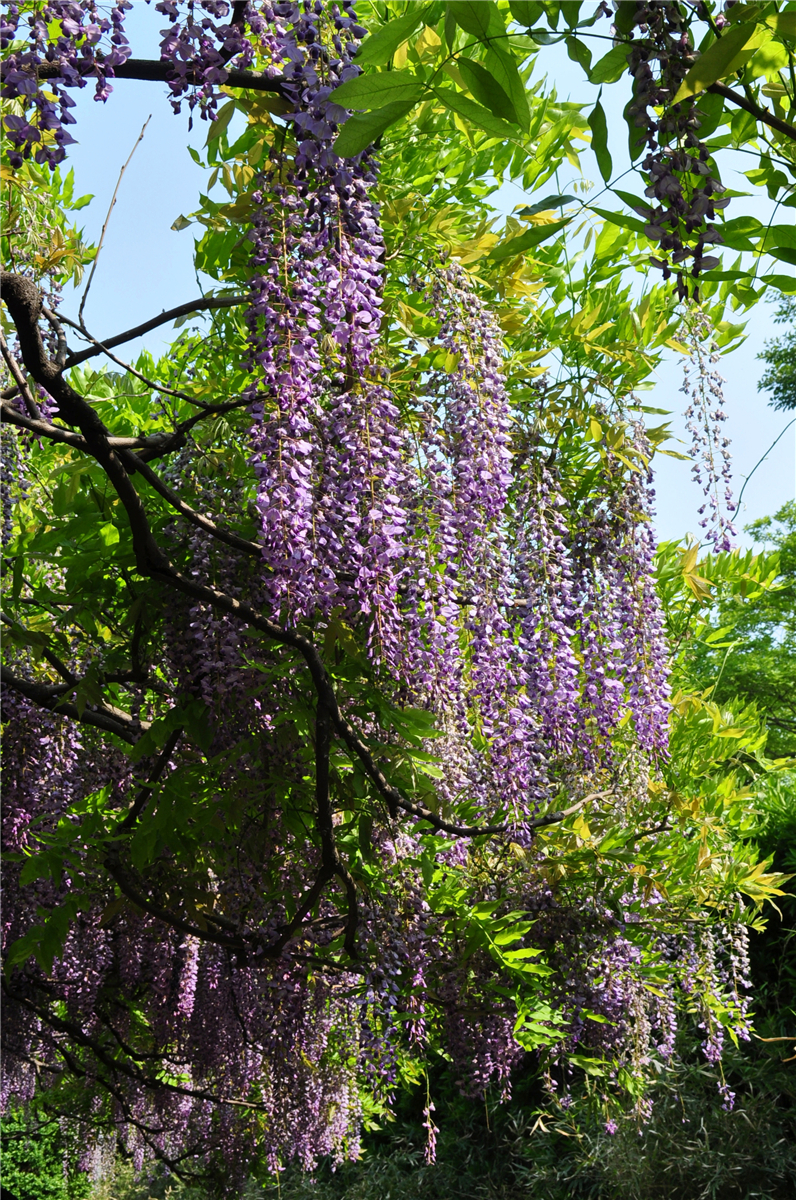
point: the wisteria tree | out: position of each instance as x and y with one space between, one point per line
338 724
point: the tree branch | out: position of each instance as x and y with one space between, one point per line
190 514
137 807
79 1037
157 71
182 310
759 113
50 698
20 380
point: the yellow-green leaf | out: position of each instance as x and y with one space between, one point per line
726 55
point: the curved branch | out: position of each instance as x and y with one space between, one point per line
190 514
113 866
78 1035
756 110
154 445
41 427
19 379
50 698
182 310
137 807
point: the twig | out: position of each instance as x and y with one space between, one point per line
762 460
171 314
108 217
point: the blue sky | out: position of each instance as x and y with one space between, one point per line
146 266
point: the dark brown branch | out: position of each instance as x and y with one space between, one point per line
182 310
114 868
755 110
154 445
60 667
41 427
425 814
62 353
190 514
48 697
128 367
79 1037
331 859
155 71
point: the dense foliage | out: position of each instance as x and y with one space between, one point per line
779 354
751 652
347 731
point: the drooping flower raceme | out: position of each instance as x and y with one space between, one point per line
705 417
82 40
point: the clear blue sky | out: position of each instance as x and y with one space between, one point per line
146 267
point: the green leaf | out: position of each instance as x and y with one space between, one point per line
570 11
611 66
579 52
737 232
526 241
599 140
379 48
780 235
109 534
362 129
783 24
17 577
221 122
478 17
503 67
376 91
22 949
783 253
545 205
486 89
620 219
365 833
38 866
726 55
525 12
474 113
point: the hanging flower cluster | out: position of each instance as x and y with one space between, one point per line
705 417
199 45
79 39
682 185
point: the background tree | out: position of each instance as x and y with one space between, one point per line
779 355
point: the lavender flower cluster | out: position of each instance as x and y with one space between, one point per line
199 45
705 417
82 40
